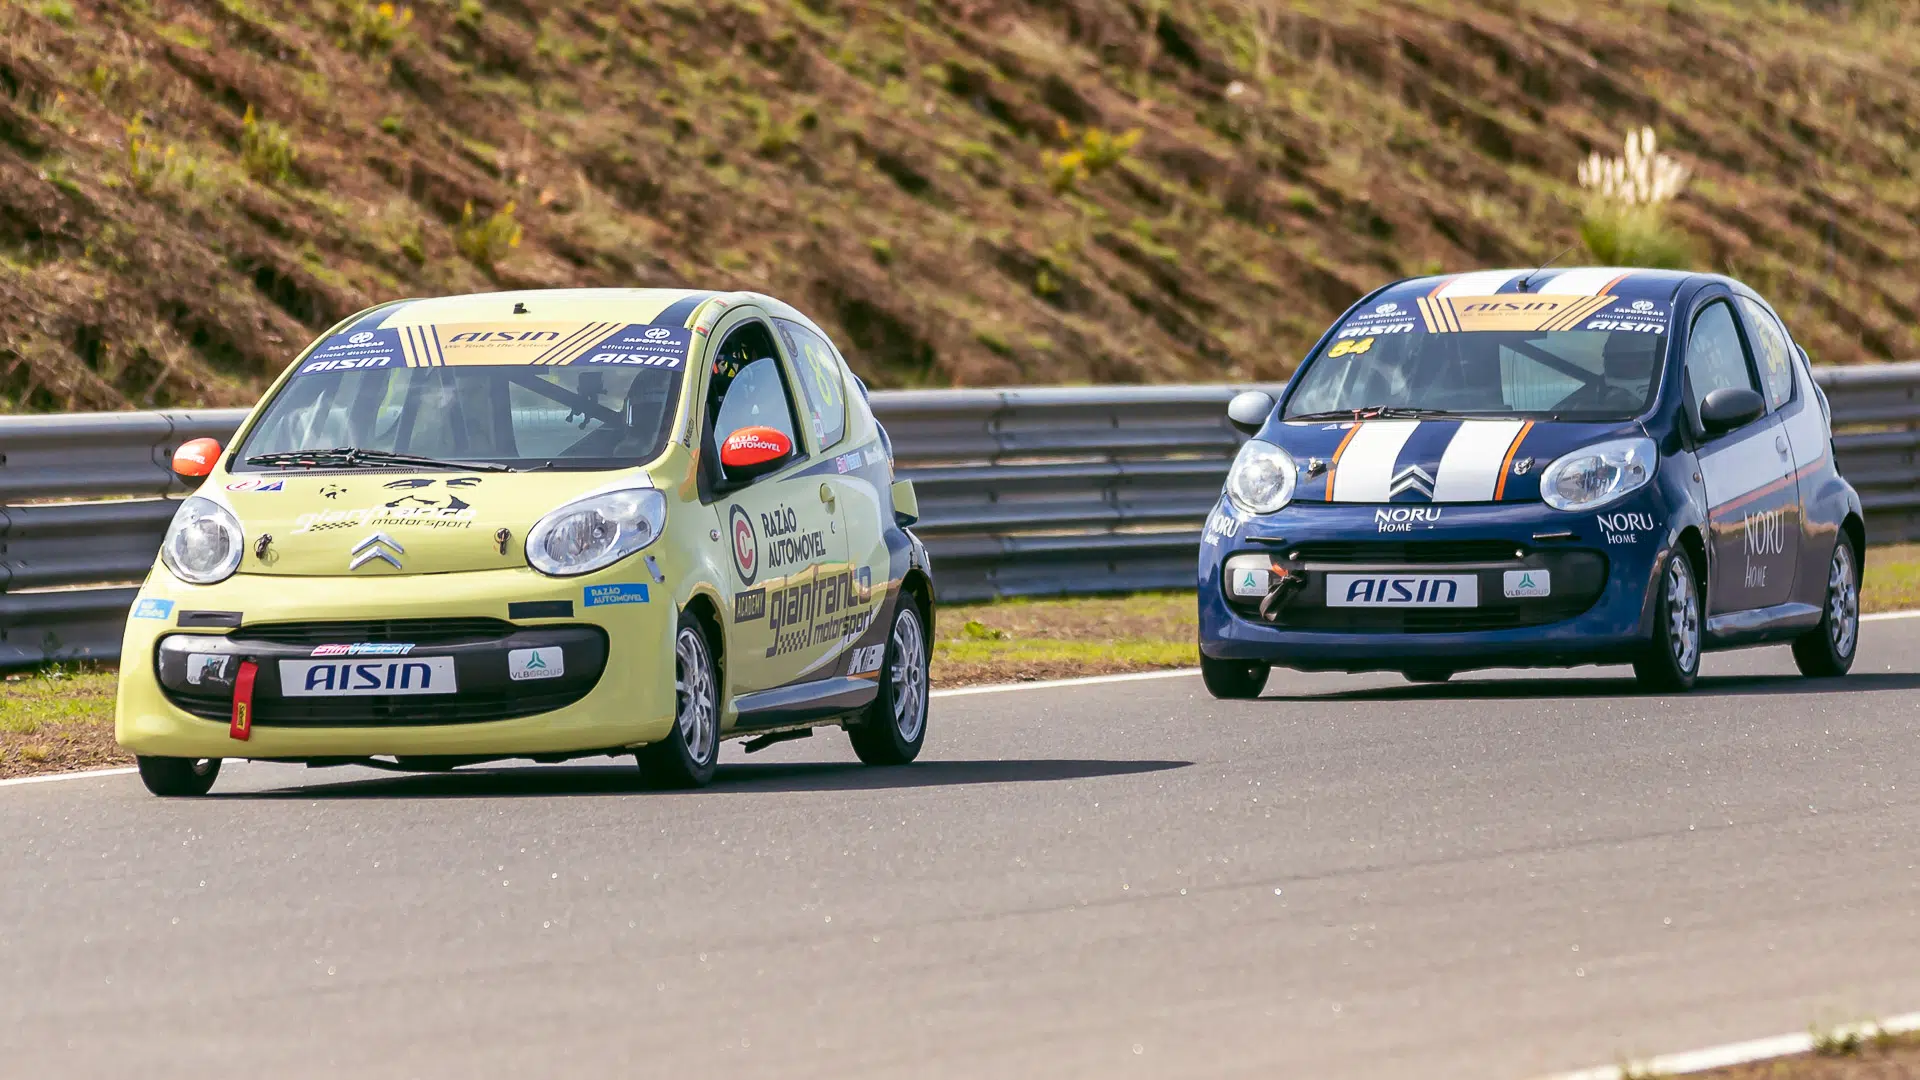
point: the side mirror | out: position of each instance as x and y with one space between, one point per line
1730 407
754 451
1249 410
196 458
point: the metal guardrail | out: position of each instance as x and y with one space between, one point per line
1022 492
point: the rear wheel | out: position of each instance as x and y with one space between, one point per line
895 726
1672 660
1428 675
172 777
1234 680
687 756
1827 650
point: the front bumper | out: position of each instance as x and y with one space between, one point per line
1599 612
617 690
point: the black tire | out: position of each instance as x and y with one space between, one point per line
895 725
687 757
1234 680
1827 650
1428 675
174 777
1672 660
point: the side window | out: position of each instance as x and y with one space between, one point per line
1715 358
820 380
1772 350
746 387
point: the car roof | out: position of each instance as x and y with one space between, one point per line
572 305
1625 282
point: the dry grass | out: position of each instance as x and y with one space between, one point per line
954 189
56 720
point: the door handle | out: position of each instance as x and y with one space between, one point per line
826 494
1780 443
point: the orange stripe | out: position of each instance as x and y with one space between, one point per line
1444 282
1604 289
1335 463
1506 464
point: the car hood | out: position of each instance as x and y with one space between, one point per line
1430 461
430 522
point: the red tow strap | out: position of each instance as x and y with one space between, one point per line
242 726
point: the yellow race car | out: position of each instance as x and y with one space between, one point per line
539 525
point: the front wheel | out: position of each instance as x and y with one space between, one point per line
895 726
172 777
1672 660
1234 680
1827 650
686 758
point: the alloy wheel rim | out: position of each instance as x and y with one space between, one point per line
693 691
1843 602
909 675
1683 614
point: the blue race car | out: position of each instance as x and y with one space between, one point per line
1535 468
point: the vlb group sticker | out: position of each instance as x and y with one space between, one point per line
746 544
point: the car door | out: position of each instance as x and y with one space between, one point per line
1795 401
861 477
783 537
1753 504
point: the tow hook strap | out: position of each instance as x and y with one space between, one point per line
242 726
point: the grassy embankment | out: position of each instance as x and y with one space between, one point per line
62 718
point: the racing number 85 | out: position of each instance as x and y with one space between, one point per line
1350 347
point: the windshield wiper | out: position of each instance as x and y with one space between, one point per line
353 457
1373 412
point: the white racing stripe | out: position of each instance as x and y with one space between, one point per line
1364 472
1470 467
1479 283
1587 282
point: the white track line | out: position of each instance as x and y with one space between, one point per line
958 691
51 777
1742 1053
1051 684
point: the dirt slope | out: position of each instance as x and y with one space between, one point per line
895 168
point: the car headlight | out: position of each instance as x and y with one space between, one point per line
1262 478
203 542
596 532
1593 476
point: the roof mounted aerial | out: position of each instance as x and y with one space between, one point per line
1525 281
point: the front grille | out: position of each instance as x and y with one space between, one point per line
418 631
480 649
466 707
1433 621
1404 552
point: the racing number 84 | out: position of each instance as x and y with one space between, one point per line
1350 347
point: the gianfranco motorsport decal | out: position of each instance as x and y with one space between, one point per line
508 344
822 608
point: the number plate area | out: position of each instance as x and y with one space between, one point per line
1403 590
361 677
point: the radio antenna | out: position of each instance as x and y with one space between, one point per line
1528 280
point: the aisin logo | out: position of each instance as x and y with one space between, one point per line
360 338
1412 478
746 544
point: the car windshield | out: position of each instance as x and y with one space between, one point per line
596 408
1587 374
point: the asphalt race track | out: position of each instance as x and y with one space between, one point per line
1352 877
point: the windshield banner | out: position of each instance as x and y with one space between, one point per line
521 344
1521 312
